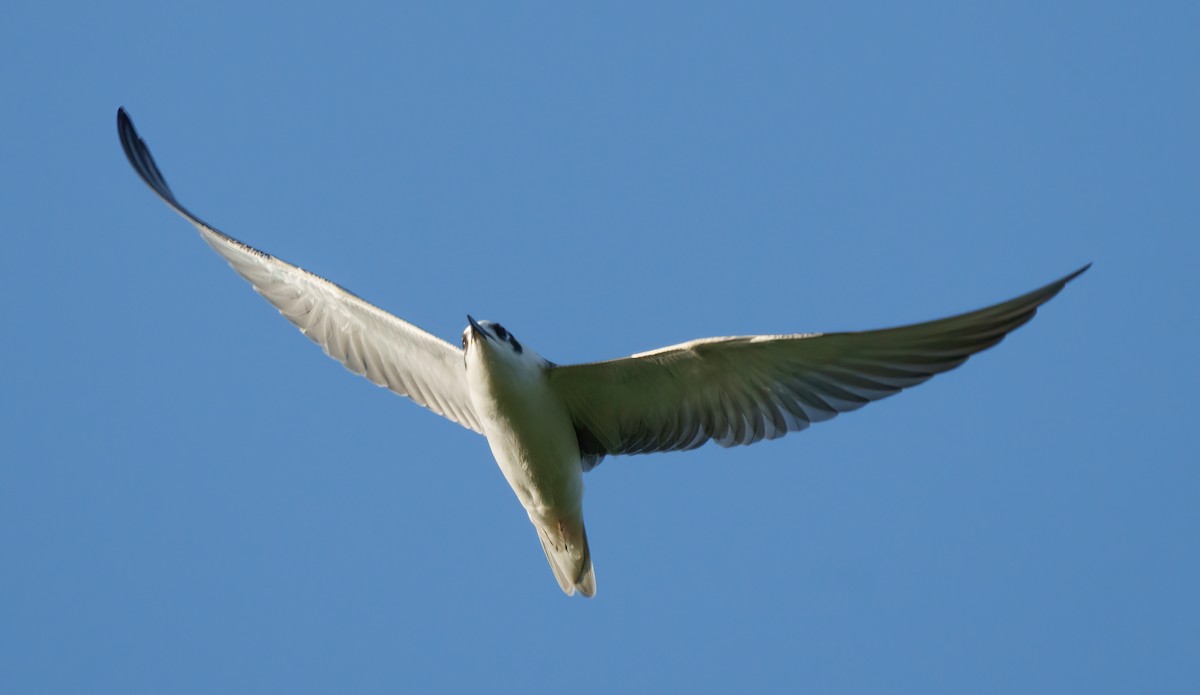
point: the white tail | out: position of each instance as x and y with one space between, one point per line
570 558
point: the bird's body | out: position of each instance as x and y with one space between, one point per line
533 440
547 424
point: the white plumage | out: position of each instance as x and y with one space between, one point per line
548 424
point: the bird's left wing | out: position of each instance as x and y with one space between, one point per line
365 339
745 389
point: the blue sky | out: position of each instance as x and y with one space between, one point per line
194 499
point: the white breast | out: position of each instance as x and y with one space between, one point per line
530 432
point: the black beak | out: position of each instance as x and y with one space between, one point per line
477 329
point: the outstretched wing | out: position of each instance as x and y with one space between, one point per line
365 339
745 389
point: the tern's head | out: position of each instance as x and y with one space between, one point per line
493 339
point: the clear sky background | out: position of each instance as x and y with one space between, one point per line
194 499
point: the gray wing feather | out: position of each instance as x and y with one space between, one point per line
365 339
742 390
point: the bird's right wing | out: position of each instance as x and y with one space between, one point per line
745 389
365 339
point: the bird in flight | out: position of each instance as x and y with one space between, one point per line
547 424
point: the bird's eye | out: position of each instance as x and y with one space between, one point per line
516 346
500 332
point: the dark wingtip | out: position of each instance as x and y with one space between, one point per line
1050 291
1057 286
138 154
